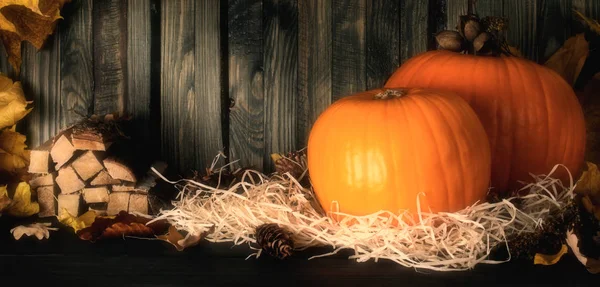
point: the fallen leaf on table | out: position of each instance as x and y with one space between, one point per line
550 259
592 265
182 242
40 230
14 157
124 224
77 223
22 205
13 105
568 60
27 20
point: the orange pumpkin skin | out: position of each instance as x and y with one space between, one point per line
531 115
371 154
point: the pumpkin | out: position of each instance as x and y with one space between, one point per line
380 149
531 115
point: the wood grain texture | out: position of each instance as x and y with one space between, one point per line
314 64
456 8
523 26
348 74
414 28
485 8
208 107
382 40
247 123
76 62
280 18
554 26
5 67
178 117
110 56
40 77
138 69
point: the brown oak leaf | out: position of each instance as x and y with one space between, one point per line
568 60
27 20
182 242
122 225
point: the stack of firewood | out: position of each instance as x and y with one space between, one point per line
78 170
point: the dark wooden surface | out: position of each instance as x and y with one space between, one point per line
64 260
248 78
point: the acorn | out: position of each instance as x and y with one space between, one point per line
469 27
480 42
450 40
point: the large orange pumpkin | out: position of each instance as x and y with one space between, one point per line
377 150
531 115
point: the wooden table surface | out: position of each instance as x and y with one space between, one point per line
65 260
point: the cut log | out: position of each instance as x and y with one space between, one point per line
103 178
87 165
46 198
119 201
62 151
126 186
69 181
39 161
69 203
42 180
93 134
118 170
95 194
138 203
98 208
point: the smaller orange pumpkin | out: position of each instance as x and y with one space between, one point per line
378 150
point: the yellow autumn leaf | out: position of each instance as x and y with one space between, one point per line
14 155
4 199
589 182
27 20
550 259
568 60
77 223
22 205
13 105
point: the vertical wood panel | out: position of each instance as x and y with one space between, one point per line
5 67
414 28
348 74
139 41
314 63
456 8
208 133
383 41
110 56
177 83
485 8
555 19
40 76
280 18
76 61
522 33
246 129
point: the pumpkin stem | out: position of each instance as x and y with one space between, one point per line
391 93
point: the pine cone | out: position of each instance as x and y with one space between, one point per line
294 162
274 240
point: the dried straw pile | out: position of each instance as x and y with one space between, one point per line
457 241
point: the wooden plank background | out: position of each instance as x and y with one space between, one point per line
244 77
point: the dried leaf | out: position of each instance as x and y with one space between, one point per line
40 230
22 205
550 259
14 156
4 199
182 242
588 186
592 265
13 105
124 224
590 23
568 60
77 223
515 51
27 20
